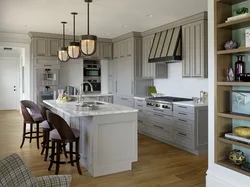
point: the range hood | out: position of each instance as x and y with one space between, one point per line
167 46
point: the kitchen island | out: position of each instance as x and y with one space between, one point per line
108 135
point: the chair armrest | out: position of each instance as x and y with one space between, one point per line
54 181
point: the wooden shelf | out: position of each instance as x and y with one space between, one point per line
237 24
233 51
230 2
233 83
221 139
234 116
228 164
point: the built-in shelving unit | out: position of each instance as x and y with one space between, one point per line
223 60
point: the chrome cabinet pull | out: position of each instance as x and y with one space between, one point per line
182 114
159 115
124 99
140 105
158 127
132 87
182 107
116 86
182 134
182 120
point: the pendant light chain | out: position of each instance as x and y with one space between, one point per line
63 34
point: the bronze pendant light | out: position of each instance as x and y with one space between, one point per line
88 42
62 53
74 47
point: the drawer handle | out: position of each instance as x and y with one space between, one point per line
182 134
182 120
124 99
182 107
182 114
159 115
140 105
158 127
158 110
139 100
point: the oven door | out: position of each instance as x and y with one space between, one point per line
92 72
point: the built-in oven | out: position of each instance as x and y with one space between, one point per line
96 84
92 70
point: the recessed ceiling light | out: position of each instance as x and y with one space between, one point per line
27 25
124 26
107 34
149 15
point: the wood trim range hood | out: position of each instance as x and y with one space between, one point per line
167 46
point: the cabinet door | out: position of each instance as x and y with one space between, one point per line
148 69
161 70
106 49
53 46
129 47
198 49
40 45
124 73
122 47
111 76
187 55
116 50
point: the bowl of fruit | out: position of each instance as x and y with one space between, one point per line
63 98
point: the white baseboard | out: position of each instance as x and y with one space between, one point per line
212 181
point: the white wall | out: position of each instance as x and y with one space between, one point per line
71 73
177 86
217 176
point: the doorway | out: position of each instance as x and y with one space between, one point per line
9 80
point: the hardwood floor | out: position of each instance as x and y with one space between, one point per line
159 164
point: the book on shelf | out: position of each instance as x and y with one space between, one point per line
234 137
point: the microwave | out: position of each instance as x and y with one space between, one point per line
240 102
92 70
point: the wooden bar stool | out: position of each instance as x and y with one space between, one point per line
47 127
63 134
34 116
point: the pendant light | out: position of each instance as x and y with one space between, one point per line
62 54
88 42
74 47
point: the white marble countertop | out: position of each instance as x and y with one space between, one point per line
70 108
94 95
190 103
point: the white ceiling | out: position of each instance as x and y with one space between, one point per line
106 16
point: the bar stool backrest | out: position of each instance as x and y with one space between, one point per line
32 107
43 110
61 126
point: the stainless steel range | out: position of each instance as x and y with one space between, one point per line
164 103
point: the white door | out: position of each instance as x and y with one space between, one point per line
9 83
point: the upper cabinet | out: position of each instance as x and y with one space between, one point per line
123 48
103 51
194 51
45 47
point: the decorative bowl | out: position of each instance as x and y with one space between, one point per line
237 157
242 131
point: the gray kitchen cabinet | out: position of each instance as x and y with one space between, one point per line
116 50
124 101
148 69
106 50
111 76
45 47
195 50
161 70
124 81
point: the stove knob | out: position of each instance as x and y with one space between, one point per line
151 104
157 105
148 103
165 106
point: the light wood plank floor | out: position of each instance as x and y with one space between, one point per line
159 164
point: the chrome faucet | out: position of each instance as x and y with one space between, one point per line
85 82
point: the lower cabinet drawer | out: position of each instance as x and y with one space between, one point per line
184 115
183 138
184 124
161 131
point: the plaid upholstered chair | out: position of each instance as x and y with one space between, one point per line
13 173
